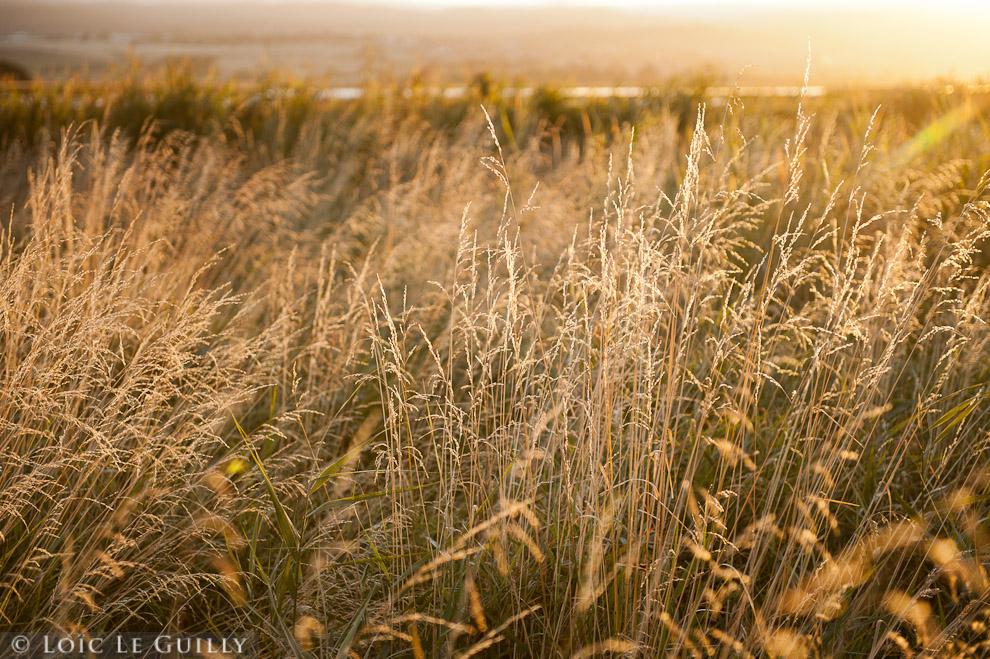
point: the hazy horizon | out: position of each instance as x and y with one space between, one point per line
621 5
874 42
968 4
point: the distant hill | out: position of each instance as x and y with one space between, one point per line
583 46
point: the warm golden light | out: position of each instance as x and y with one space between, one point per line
581 42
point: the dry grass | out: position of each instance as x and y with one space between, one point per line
709 391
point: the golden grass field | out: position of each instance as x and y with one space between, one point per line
406 376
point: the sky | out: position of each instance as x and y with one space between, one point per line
649 4
972 8
982 6
978 6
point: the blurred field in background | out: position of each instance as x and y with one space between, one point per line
350 44
682 373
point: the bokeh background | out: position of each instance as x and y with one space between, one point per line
880 43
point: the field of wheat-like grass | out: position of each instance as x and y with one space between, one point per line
403 376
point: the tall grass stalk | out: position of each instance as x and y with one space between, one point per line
715 389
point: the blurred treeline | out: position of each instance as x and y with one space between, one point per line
271 114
